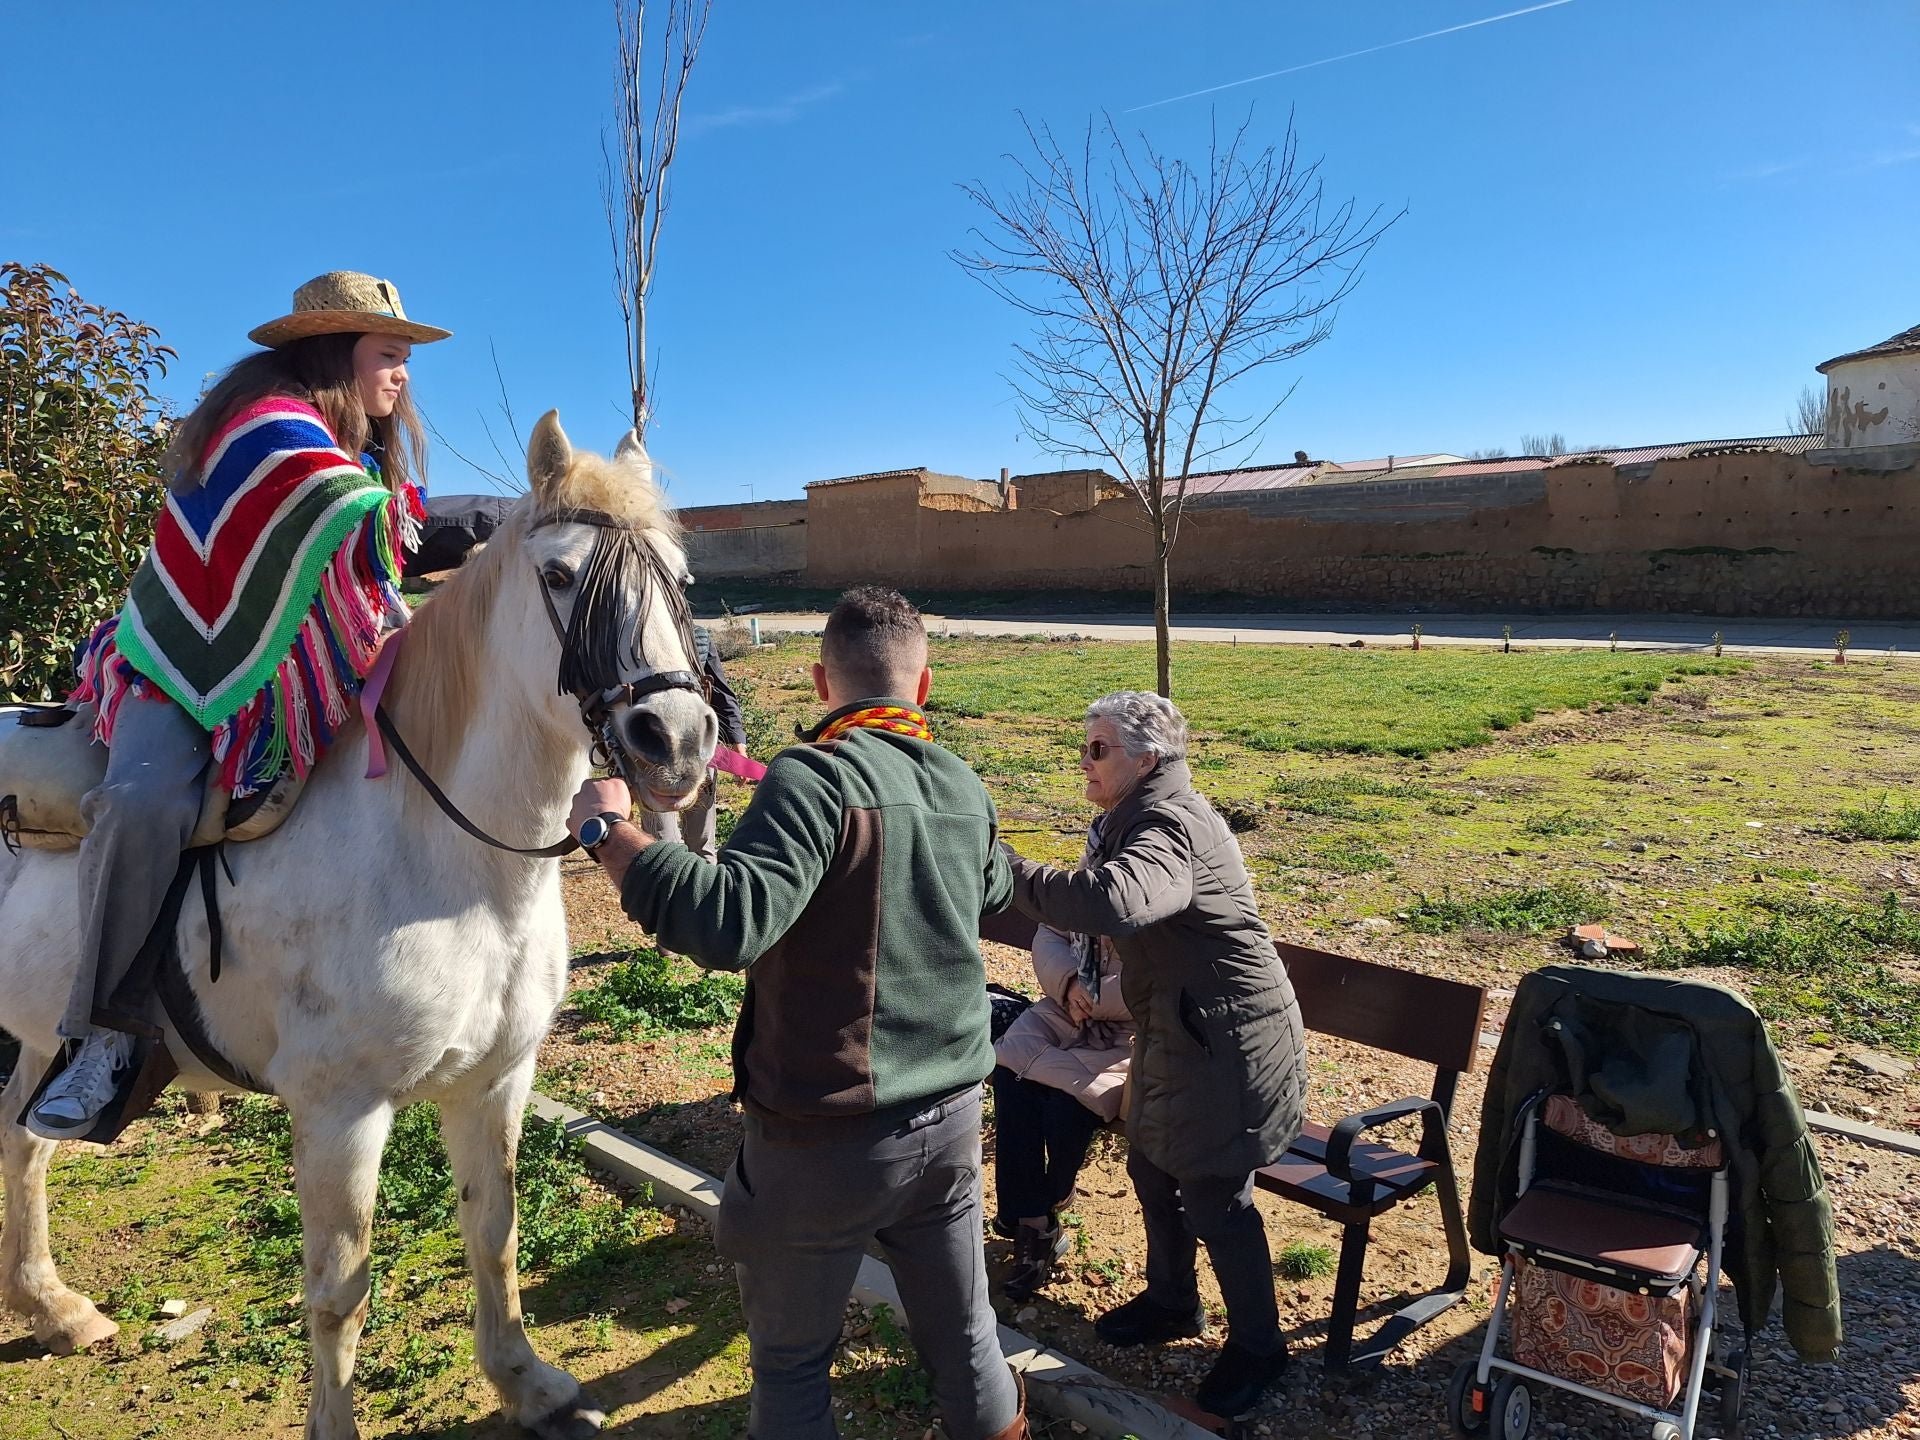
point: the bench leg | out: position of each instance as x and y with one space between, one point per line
1403 1322
1346 1295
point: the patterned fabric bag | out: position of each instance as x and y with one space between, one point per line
1633 1346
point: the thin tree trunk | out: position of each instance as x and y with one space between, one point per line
1161 647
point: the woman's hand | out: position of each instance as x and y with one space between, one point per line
1077 1002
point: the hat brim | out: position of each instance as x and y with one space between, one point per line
303 323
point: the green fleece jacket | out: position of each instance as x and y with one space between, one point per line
1654 1054
851 893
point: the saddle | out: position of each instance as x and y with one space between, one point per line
49 761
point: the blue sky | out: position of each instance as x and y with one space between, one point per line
1630 221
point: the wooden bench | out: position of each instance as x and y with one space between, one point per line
1337 1171
1351 1179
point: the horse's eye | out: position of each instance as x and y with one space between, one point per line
557 577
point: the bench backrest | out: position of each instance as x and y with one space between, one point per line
1420 1016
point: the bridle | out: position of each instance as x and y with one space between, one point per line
589 662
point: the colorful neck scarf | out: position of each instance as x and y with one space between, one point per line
899 719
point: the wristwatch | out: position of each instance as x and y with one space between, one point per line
594 832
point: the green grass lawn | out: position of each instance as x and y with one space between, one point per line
1747 816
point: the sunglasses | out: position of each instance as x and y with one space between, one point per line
1096 750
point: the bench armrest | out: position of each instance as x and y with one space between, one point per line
1433 1132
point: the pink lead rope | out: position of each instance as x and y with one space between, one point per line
734 763
370 693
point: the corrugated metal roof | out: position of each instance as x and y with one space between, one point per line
1279 477
870 475
1397 463
1901 344
1643 454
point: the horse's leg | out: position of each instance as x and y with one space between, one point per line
62 1320
481 1128
336 1162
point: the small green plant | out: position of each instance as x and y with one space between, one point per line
644 996
900 1383
1719 644
1885 819
1841 640
129 1301
1302 1261
1346 855
1531 911
1555 823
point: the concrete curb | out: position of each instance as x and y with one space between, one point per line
1056 1383
1859 1130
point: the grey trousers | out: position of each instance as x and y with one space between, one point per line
796 1218
1219 1210
139 820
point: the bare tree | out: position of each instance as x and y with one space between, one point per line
1809 413
1554 444
1156 286
637 160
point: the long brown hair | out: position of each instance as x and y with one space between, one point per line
319 370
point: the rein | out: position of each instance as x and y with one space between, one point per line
618 549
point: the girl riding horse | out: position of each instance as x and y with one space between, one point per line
247 631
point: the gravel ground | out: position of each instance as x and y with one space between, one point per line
671 1093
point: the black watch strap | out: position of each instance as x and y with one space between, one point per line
608 819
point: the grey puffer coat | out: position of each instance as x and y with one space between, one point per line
1219 1056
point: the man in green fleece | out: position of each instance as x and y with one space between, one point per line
851 893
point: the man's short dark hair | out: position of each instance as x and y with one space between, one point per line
874 643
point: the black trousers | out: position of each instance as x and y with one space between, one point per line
1217 1210
1042 1139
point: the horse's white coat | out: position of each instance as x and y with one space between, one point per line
375 955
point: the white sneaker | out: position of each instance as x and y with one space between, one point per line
73 1102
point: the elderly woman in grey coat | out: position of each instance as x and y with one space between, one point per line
1218 1052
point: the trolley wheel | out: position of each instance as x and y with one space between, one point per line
1733 1397
1468 1405
1512 1408
1665 1430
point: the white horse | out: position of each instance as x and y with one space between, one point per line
374 954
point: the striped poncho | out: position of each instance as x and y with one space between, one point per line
261 605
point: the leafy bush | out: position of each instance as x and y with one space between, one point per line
1820 959
81 435
1532 911
643 996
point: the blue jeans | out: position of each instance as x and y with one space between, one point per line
803 1200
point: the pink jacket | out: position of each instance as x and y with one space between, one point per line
1087 1061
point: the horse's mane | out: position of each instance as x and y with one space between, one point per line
442 694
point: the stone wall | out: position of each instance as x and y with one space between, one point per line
1732 534
756 552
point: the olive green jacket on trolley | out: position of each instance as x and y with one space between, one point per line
1654 1054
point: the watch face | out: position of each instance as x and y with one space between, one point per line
594 831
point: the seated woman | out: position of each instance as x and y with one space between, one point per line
1061 1072
1218 1054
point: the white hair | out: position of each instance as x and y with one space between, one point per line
1147 724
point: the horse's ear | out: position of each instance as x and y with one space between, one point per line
632 453
548 455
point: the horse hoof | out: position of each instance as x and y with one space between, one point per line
80 1335
578 1419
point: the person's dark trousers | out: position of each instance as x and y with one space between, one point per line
803 1199
1041 1137
1219 1210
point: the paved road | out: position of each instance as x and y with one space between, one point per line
1568 632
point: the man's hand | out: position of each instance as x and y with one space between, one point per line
1078 1003
597 797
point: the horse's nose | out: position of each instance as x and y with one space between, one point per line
648 738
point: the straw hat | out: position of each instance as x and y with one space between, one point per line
345 302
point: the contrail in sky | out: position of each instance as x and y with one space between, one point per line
1350 55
